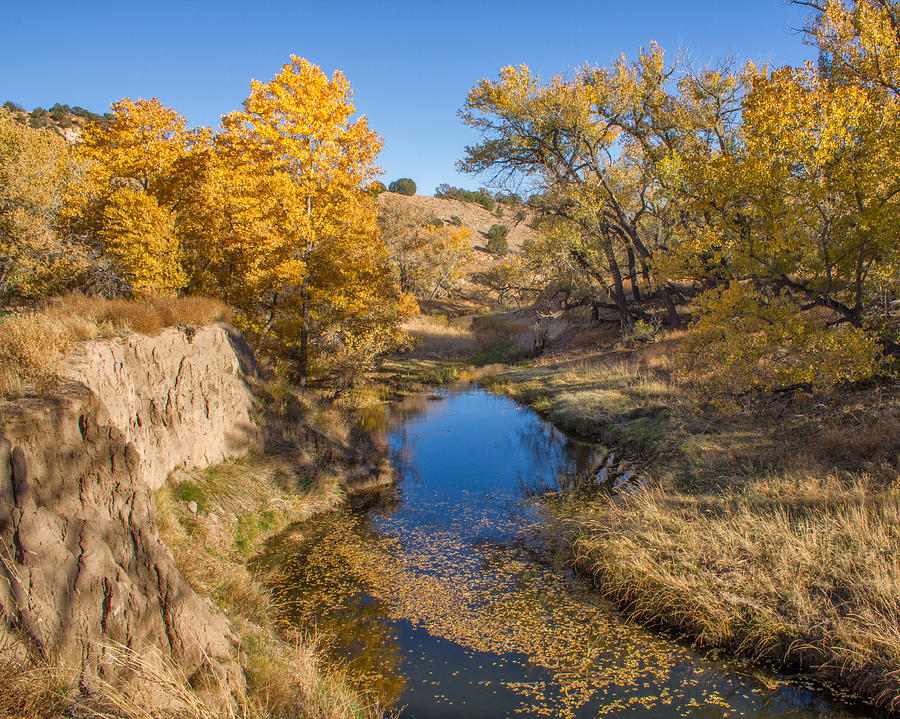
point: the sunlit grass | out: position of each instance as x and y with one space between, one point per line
33 342
772 532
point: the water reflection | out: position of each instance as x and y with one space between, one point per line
318 590
438 602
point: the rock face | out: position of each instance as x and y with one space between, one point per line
83 572
180 398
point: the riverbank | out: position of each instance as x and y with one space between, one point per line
127 590
771 534
215 520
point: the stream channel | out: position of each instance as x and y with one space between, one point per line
445 600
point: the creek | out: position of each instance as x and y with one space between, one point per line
446 598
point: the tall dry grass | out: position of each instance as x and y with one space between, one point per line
240 504
773 533
33 342
796 569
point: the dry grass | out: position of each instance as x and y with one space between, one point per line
29 689
437 337
33 342
240 504
772 533
798 570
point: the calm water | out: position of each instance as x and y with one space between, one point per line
445 600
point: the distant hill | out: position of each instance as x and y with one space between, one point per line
62 119
470 293
473 216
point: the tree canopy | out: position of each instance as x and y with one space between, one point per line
764 199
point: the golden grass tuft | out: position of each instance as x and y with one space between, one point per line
33 342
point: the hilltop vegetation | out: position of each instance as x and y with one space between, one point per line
60 118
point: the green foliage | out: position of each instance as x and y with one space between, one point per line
13 106
375 188
436 222
497 242
510 198
188 491
404 186
481 197
455 220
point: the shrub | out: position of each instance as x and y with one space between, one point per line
13 106
404 186
510 198
375 188
436 222
498 232
497 240
455 220
481 197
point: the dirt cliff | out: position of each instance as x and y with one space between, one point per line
180 397
84 577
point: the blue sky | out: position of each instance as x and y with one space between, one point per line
410 63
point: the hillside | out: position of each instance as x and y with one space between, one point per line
62 119
473 216
469 293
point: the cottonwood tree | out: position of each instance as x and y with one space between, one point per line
588 143
35 166
798 242
427 256
299 253
134 198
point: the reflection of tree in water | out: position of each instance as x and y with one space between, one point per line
316 589
383 420
557 461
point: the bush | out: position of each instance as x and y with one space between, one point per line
481 197
497 240
510 198
376 188
404 186
498 232
13 106
436 222
455 220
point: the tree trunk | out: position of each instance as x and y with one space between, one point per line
632 276
618 286
674 319
303 355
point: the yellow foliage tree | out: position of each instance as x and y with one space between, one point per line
299 252
425 258
136 197
34 168
140 235
590 143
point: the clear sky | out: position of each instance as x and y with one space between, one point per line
410 63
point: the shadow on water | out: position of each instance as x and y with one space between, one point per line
445 602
